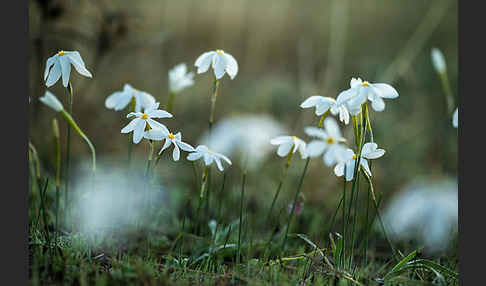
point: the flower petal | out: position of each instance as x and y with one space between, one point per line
208 159
316 132
194 156
65 69
49 63
284 149
386 90
166 145
231 65
130 126
78 63
51 100
315 148
184 146
156 134
377 103
366 167
157 125
176 153
54 74
139 130
455 118
350 170
159 114
204 61
346 95
280 139
332 128
218 163
219 66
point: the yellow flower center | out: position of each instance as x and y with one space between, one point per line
354 156
365 83
219 51
330 140
294 137
61 53
144 116
171 136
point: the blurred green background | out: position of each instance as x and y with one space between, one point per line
286 50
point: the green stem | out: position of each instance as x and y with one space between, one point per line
282 179
133 103
68 148
293 205
447 91
57 144
241 216
73 124
213 102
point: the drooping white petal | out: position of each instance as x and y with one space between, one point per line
144 100
167 143
231 65
324 105
123 101
130 126
346 95
156 125
316 132
176 153
218 163
159 114
350 170
156 133
284 149
339 169
311 101
51 100
366 167
202 149
280 139
54 74
219 65
65 69
50 61
204 61
343 114
112 100
370 151
315 148
385 90
184 146
78 63
194 156
377 102
208 159
137 114
139 131
224 158
438 60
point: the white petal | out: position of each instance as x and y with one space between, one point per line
157 125
137 114
159 114
202 149
194 156
315 148
316 132
339 169
343 114
78 63
224 158
366 167
208 159
355 82
219 66
350 170
49 63
123 101
311 101
65 69
54 74
231 65
280 139
156 134
438 60
176 153
139 130
370 151
332 128
283 149
386 90
144 100
184 146
324 105
377 103
218 163
112 100
130 126
204 61
346 95
166 145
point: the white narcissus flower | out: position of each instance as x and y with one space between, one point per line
164 133
455 118
220 61
329 142
209 156
288 143
51 100
120 99
61 65
361 91
369 151
323 104
179 78
139 123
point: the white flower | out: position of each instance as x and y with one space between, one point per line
120 99
61 65
179 78
51 100
426 212
288 143
139 123
369 151
361 91
163 133
455 117
244 136
209 156
329 143
323 104
220 61
438 60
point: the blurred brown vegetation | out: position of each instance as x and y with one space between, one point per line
286 50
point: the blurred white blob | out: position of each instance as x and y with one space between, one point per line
438 60
244 135
115 200
426 212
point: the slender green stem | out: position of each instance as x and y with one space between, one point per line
57 152
282 179
73 124
321 121
68 149
241 216
213 102
43 192
447 92
293 205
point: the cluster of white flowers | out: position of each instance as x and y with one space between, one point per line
329 142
